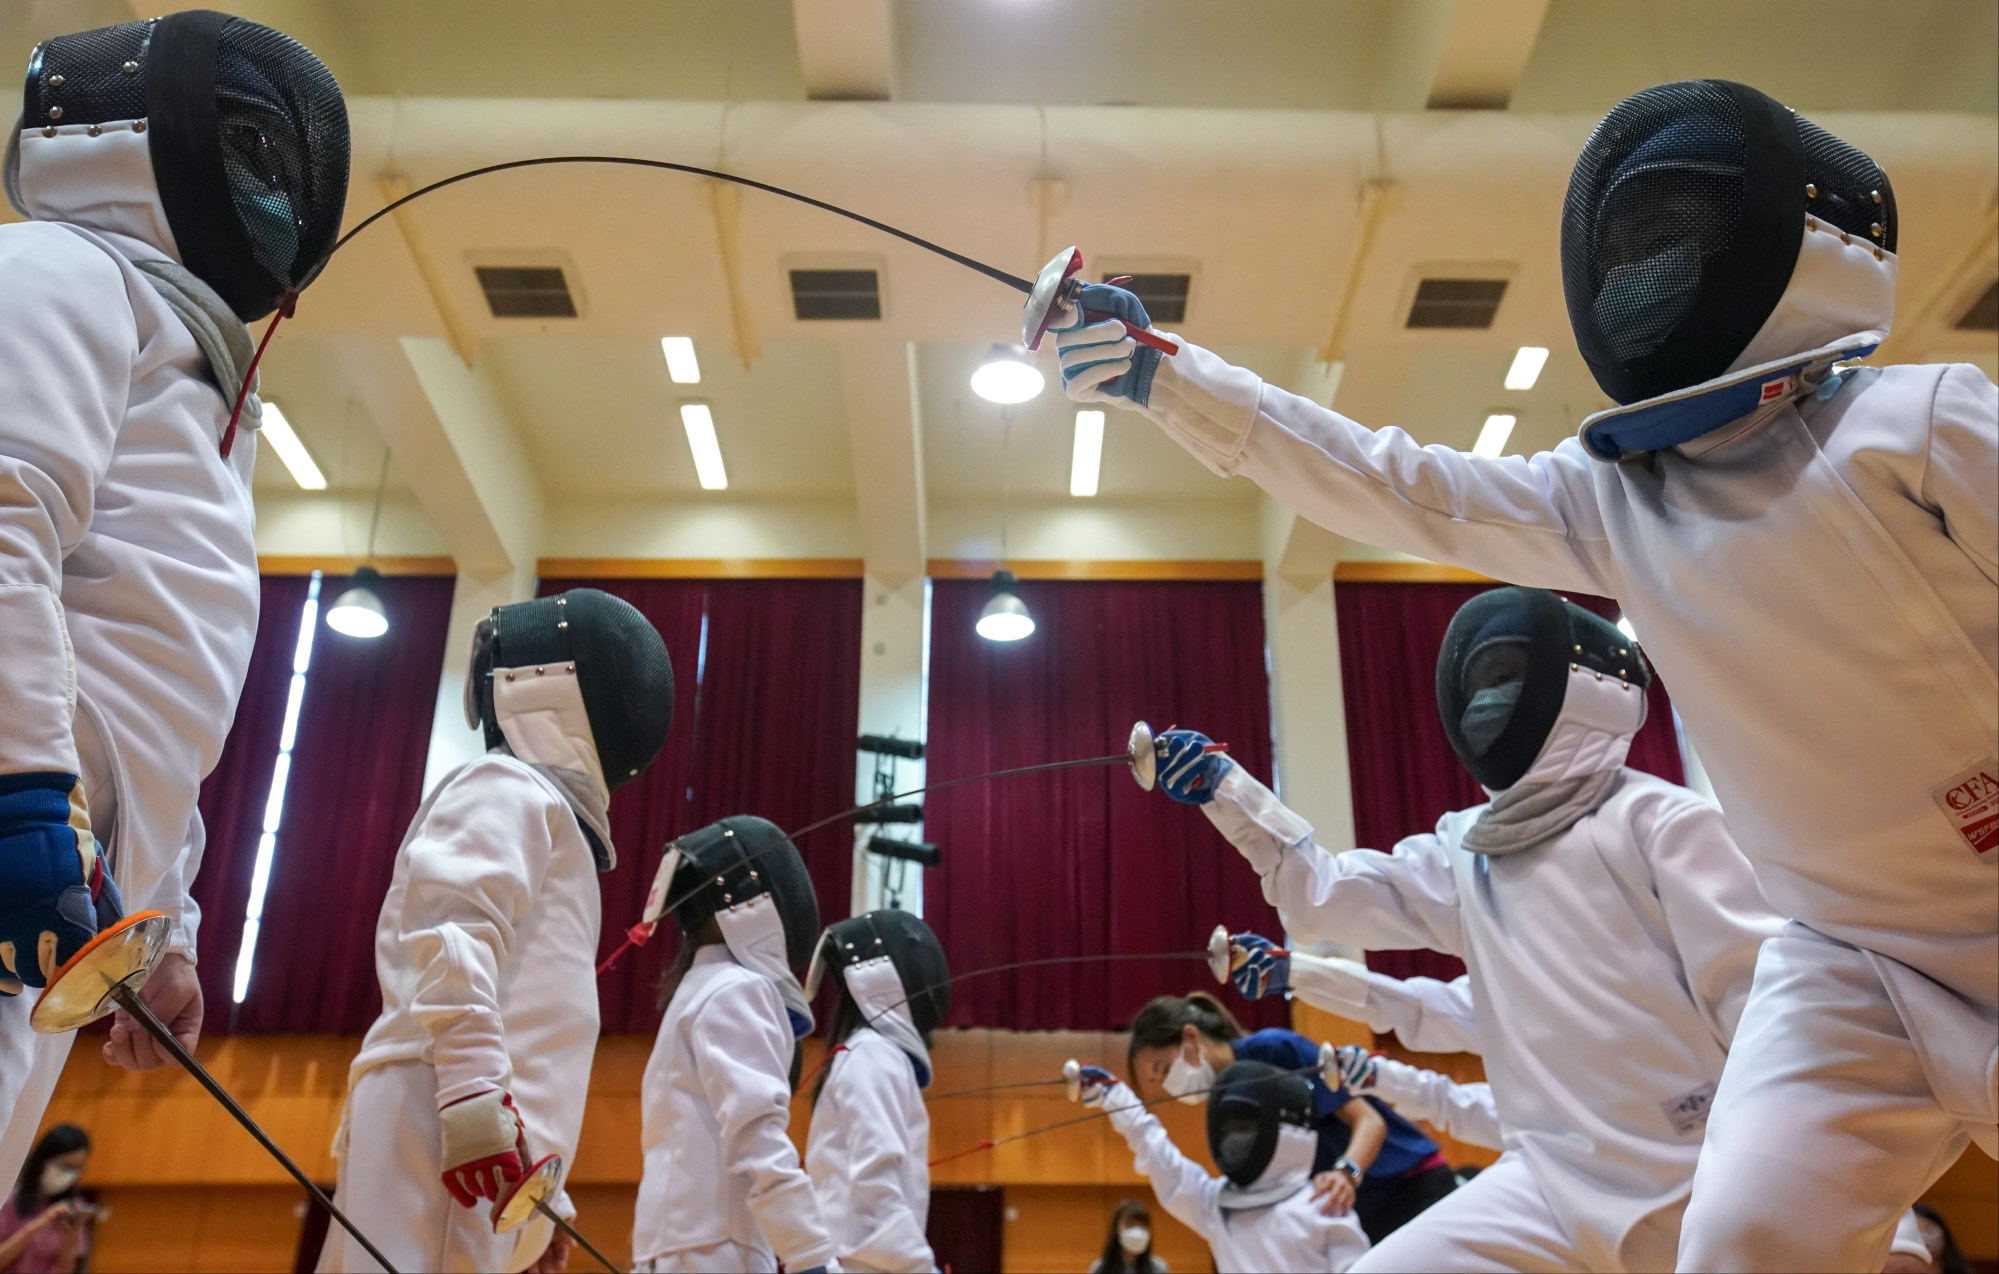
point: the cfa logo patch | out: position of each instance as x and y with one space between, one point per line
1688 1113
1775 389
1970 800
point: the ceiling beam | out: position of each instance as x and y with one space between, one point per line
885 437
846 49
1457 54
447 427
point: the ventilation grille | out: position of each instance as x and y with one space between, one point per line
1164 295
1456 302
1983 316
525 291
836 294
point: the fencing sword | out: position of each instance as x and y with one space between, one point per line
1056 287
1072 1080
104 975
1140 753
530 1195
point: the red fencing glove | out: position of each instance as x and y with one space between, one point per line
485 1146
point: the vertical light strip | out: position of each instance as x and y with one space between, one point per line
274 804
1526 369
1089 454
681 363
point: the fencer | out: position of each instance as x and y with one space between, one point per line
1259 1214
179 177
479 1063
1370 1159
1426 1014
722 1188
1811 553
1609 924
869 1148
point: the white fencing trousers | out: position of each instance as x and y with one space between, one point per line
716 1258
391 1187
1823 1130
1500 1221
30 1065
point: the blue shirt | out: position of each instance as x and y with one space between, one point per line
1402 1149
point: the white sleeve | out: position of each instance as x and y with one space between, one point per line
1425 1014
1183 1187
742 1046
1533 520
1465 1111
1408 899
471 871
1962 478
68 341
1714 909
877 1145
173 894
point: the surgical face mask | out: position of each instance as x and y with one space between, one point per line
1134 1239
1189 1083
1487 714
57 1181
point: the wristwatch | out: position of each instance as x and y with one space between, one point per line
1353 1170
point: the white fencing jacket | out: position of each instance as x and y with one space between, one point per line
716 1100
486 951
1291 1234
1608 967
1426 1014
868 1155
128 563
1819 584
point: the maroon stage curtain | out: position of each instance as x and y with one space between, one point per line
356 780
1405 775
233 794
1082 863
765 718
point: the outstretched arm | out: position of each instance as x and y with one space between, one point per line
1184 1187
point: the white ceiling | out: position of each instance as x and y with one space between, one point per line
1254 131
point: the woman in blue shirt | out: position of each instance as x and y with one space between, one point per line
1370 1158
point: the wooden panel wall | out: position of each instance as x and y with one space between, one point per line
188 1190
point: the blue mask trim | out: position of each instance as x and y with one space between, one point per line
1686 414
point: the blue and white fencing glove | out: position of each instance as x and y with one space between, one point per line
48 866
1358 1070
1094 1083
1258 966
1100 362
1189 767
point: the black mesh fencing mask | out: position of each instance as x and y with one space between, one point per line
248 136
1503 672
1682 226
729 862
1247 1110
910 946
621 663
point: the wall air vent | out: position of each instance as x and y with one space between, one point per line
526 291
1461 303
836 294
1164 295
1983 316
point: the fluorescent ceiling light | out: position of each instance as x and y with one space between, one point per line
1089 455
1492 438
1526 367
1007 376
700 426
685 368
278 432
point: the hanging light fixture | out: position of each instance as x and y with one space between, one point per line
358 612
1007 376
1005 616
